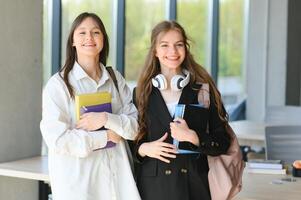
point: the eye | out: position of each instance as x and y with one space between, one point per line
180 45
96 32
82 33
164 45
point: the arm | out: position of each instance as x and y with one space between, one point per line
157 149
124 123
195 137
56 126
217 140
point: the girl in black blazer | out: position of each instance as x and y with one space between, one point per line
170 77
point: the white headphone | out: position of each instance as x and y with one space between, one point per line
177 82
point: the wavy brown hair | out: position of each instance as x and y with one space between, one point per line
152 68
71 54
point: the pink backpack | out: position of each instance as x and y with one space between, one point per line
225 171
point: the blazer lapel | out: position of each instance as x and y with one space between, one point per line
188 96
158 108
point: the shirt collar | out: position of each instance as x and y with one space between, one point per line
79 73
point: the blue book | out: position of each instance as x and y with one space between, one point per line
106 107
179 113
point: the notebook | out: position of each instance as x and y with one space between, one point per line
91 99
179 113
95 102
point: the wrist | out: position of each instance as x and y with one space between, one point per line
193 138
108 135
140 150
105 117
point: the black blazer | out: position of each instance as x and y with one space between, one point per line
187 174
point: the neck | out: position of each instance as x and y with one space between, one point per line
169 73
91 67
170 96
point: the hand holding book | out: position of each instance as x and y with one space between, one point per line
114 137
91 113
187 134
182 133
92 121
94 117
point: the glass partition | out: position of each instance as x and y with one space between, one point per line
193 15
141 17
231 72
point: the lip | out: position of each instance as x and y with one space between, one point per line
172 58
89 45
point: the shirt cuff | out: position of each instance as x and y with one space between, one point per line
114 123
99 139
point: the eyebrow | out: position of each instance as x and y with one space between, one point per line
83 28
180 41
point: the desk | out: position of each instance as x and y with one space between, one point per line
249 132
35 168
260 187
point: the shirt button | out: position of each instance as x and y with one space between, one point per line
212 144
184 171
203 143
167 172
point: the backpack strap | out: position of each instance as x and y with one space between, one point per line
113 77
204 95
204 98
126 142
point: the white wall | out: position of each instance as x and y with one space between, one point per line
20 90
265 56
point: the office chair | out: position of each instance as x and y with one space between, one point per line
283 143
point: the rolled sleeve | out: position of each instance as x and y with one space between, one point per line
114 123
99 139
56 125
124 122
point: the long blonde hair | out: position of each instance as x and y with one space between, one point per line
152 68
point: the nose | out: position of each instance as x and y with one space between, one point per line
89 36
173 48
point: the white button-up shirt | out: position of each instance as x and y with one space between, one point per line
77 172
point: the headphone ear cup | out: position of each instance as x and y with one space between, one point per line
159 82
176 82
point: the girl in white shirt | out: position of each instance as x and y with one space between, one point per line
77 170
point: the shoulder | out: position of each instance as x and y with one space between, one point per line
111 72
118 75
55 81
55 85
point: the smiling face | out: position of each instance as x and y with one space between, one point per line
88 38
170 50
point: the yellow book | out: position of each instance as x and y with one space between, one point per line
91 99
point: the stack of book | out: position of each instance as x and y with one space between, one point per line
260 166
94 102
91 101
